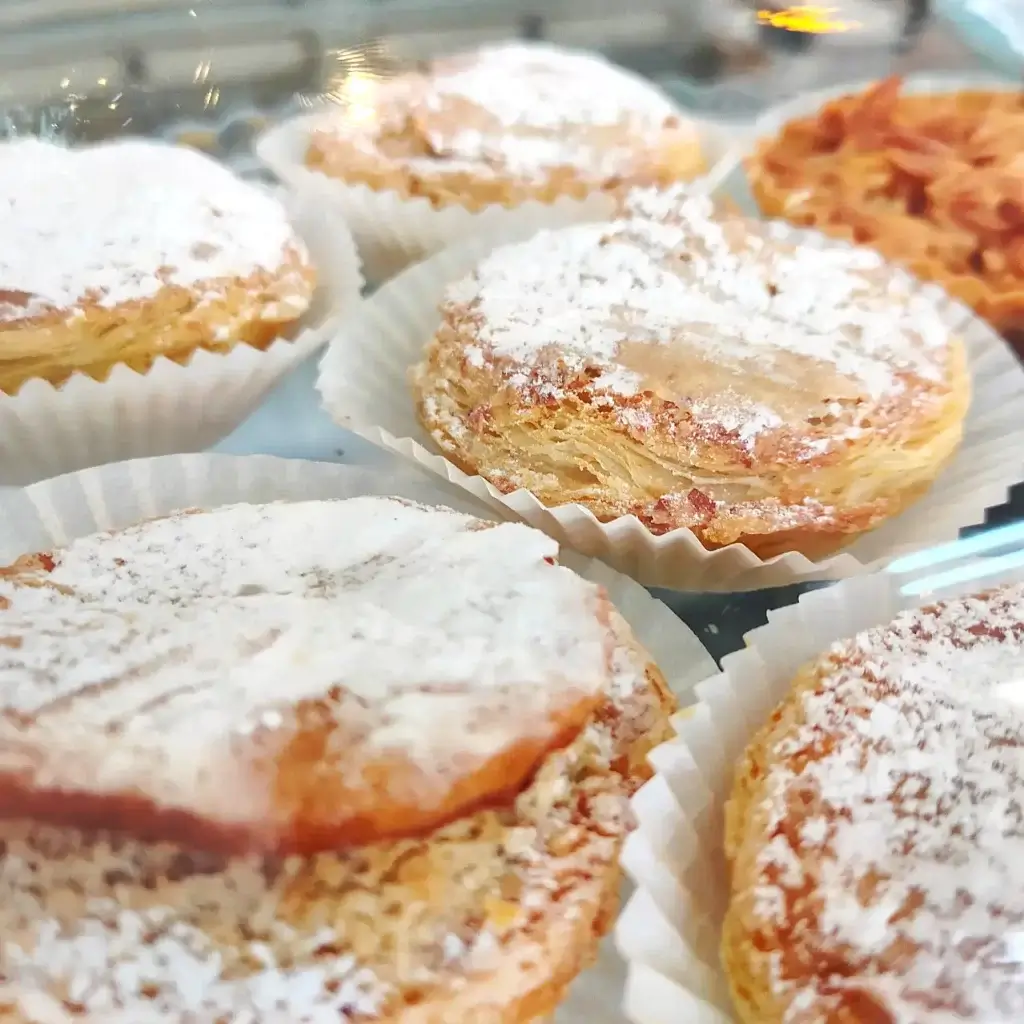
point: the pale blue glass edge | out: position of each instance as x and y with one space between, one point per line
987 40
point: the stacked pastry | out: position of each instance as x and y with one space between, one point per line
698 370
359 760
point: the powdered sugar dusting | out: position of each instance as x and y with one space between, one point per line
519 110
711 312
539 96
906 779
105 928
169 641
117 222
71 946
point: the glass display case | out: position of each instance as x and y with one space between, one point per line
383 642
213 74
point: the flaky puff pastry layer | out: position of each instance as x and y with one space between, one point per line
506 125
698 370
175 323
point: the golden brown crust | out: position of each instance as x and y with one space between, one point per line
631 369
872 832
507 125
487 920
177 322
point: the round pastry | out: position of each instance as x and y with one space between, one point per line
700 370
487 917
874 831
126 251
507 124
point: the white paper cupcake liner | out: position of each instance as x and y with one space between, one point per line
54 512
670 930
728 178
393 231
45 430
364 383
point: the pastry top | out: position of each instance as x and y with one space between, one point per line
292 675
485 919
118 222
735 345
520 112
885 837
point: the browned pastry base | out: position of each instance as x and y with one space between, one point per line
678 158
569 471
214 316
486 921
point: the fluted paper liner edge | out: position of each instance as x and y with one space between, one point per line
670 929
393 231
53 512
175 407
364 384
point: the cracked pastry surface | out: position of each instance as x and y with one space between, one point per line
305 665
123 252
506 124
874 831
486 918
700 370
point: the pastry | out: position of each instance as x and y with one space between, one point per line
931 179
126 251
697 370
874 831
419 632
507 124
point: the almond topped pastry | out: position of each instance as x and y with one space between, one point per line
360 760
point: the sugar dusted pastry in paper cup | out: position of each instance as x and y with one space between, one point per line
516 132
150 299
703 400
307 601
834 833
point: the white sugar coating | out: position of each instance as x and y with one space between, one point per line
518 109
921 789
185 633
560 88
676 277
119 221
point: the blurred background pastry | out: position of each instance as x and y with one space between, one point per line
698 370
393 786
505 124
933 180
127 251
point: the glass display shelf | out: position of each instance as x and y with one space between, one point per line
214 73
